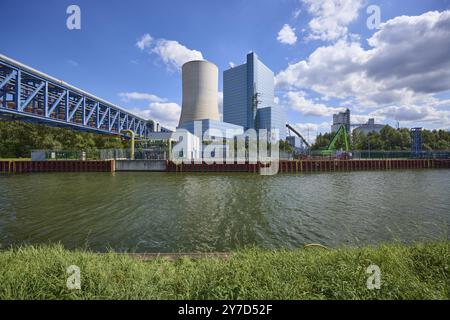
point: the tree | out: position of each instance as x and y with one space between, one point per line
18 139
390 139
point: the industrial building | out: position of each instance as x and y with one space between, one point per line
248 101
200 92
200 107
370 127
341 119
249 97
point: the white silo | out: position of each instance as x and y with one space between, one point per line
200 91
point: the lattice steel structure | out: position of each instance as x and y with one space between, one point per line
416 140
30 95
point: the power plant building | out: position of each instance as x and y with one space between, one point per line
341 119
248 92
200 92
271 118
200 107
370 127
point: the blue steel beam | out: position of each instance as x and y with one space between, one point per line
111 123
77 106
102 119
48 112
90 114
131 124
47 98
31 97
123 123
67 104
18 90
8 79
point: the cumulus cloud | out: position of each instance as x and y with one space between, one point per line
296 13
166 113
299 102
407 64
171 52
310 130
287 35
413 53
175 54
144 42
413 113
158 109
128 96
330 18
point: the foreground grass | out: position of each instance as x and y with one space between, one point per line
418 271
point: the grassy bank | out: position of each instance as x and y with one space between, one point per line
418 271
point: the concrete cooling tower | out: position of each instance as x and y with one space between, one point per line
200 90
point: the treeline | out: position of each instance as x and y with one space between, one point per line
18 139
389 139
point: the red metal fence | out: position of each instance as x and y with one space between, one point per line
56 166
307 166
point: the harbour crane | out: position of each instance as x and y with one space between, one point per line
298 134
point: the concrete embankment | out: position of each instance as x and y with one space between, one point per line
141 165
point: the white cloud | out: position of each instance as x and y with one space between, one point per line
171 52
331 18
73 63
415 114
296 13
309 131
175 54
166 113
158 109
361 118
407 65
144 42
127 96
231 64
298 102
287 35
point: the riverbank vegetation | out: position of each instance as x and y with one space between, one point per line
18 139
389 139
419 271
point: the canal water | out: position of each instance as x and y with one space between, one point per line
159 212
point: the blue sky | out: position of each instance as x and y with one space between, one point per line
318 50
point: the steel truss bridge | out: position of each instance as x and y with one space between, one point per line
30 95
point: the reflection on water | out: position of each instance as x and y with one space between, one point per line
158 212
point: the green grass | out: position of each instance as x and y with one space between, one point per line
419 271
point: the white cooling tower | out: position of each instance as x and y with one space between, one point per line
200 90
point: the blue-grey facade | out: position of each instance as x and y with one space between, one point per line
235 96
272 118
247 89
213 128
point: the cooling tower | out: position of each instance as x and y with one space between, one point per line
200 90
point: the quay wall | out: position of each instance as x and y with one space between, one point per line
309 166
300 166
17 167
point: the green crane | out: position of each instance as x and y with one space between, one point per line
342 132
